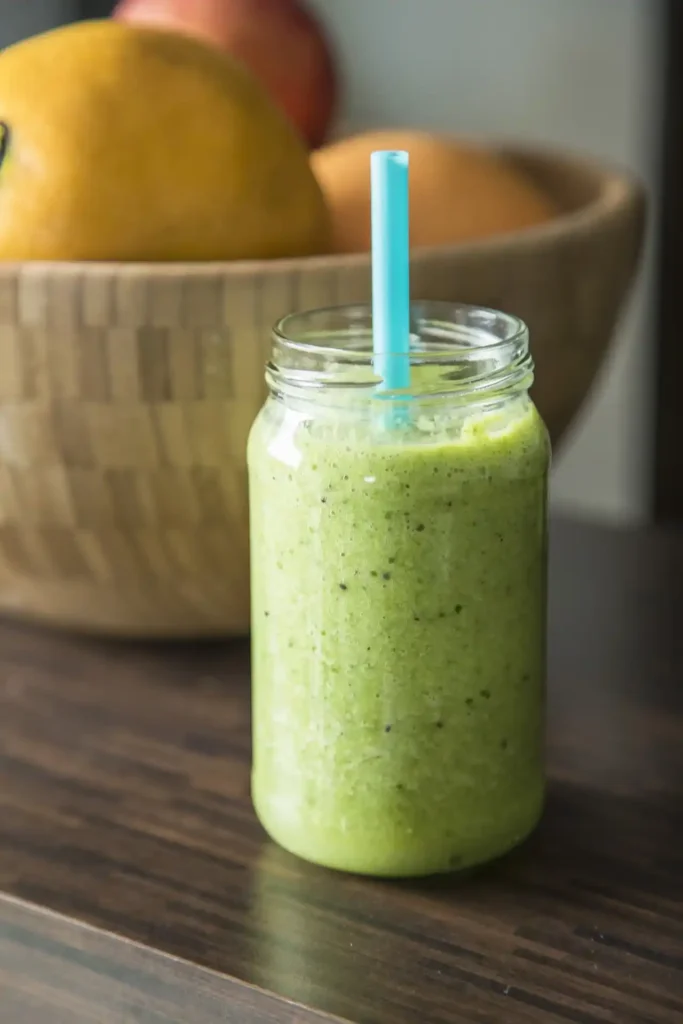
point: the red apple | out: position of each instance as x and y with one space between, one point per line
279 40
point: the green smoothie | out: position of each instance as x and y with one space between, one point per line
399 620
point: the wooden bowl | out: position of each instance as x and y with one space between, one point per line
127 393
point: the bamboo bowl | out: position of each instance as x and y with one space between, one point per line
127 393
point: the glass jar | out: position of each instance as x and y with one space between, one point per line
398 544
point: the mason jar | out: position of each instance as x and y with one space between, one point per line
398 546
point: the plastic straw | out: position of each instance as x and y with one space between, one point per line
390 268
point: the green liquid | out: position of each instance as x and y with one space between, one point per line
398 640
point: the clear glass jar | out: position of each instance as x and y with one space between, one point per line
398 544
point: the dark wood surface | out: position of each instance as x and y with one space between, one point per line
124 803
54 970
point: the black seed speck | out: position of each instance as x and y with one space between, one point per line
416 618
342 586
449 504
439 725
266 614
324 500
442 615
387 728
386 575
420 527
469 701
399 785
391 561
486 694
373 572
458 609
503 744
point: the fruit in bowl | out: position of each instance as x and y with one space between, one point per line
122 142
129 387
280 41
458 192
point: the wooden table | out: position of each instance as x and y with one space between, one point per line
124 806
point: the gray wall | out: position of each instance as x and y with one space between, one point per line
580 73
21 18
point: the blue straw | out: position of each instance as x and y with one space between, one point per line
390 268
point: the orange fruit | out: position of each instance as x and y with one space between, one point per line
131 143
458 193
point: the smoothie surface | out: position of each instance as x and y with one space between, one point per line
399 619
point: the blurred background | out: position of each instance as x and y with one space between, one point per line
586 74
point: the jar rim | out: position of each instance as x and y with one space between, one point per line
459 351
295 331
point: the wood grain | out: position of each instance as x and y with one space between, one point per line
57 971
123 385
124 803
